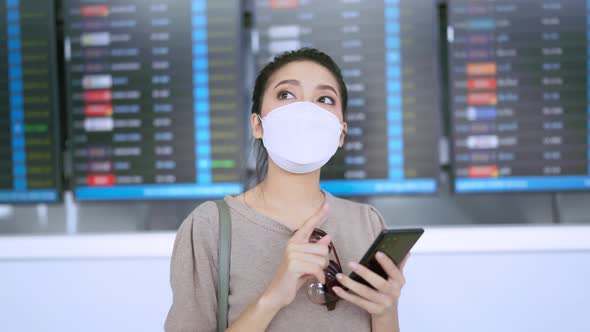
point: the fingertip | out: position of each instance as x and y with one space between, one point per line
407 257
382 257
403 264
325 240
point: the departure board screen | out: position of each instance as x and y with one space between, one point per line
29 118
153 91
387 52
519 95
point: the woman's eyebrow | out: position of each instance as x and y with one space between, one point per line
294 82
326 87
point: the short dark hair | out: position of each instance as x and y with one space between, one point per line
302 54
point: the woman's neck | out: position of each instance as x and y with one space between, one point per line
289 198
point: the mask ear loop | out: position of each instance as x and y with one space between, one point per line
260 119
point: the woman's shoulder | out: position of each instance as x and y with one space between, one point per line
364 212
205 211
202 219
348 206
198 234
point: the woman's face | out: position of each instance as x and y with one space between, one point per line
301 81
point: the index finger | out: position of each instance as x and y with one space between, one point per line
389 266
304 232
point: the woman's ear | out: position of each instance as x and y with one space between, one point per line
256 126
343 134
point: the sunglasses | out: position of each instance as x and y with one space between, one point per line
322 293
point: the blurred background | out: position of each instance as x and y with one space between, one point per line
468 118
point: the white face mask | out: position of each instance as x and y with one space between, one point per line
301 137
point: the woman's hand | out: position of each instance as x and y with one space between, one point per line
301 260
382 301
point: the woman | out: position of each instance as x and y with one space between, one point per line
298 104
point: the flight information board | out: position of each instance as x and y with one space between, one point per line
387 53
29 118
519 95
153 91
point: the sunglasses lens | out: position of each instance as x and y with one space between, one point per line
332 270
317 235
315 291
321 293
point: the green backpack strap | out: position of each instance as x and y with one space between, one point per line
223 260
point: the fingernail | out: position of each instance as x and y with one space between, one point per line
379 254
353 265
339 276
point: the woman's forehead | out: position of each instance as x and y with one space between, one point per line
306 72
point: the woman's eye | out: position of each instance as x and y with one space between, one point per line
285 95
326 100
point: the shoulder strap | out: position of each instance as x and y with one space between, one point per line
223 260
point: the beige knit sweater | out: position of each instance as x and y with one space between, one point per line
258 243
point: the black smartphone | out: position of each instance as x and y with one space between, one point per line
395 243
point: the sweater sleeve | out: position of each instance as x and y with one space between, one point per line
193 273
